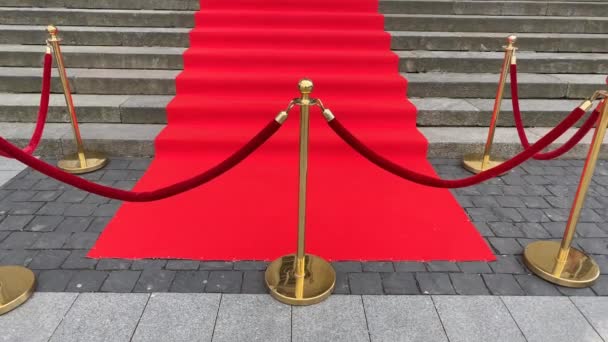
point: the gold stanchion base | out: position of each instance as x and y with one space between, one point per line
580 270
17 285
71 163
318 284
472 163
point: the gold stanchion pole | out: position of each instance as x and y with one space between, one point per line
560 263
301 279
82 161
475 162
17 285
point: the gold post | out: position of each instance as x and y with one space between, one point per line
301 279
476 162
560 263
81 161
17 285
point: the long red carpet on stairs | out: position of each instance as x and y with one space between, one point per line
243 66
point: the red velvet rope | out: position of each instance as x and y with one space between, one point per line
147 196
521 131
43 109
423 179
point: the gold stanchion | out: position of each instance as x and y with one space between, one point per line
301 279
17 285
560 263
476 162
82 161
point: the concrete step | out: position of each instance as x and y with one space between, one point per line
566 8
138 140
393 22
410 61
515 24
402 40
150 109
110 4
95 17
162 82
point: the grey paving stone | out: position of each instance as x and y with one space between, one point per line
182 265
74 225
120 281
542 319
81 210
442 266
53 208
567 291
178 317
101 317
22 208
339 318
17 257
98 224
596 311
505 245
406 266
49 259
19 240
3 235
44 223
15 223
474 267
435 283
113 264
258 318
216 266
254 282
510 202
224 282
46 196
148 264
50 240
189 281
84 240
342 286
365 283
507 264
593 246
153 280
468 284
534 230
78 261
399 283
402 318
347 266
373 266
590 230
509 214
503 285
87 281
106 210
37 319
476 318
250 265
505 229
53 280
535 286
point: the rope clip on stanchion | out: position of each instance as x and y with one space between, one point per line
559 262
301 279
476 162
82 161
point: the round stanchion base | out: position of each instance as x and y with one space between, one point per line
318 282
71 163
580 270
472 163
17 285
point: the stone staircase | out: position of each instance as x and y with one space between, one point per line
123 57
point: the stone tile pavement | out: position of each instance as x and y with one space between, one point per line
59 317
48 227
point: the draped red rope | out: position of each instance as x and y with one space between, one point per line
147 196
431 181
42 109
521 131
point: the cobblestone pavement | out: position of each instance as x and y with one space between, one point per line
176 317
49 227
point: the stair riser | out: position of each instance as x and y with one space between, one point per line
111 19
110 4
496 8
488 90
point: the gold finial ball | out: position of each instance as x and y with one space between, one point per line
512 39
52 29
305 86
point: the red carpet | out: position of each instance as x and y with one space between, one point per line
245 60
